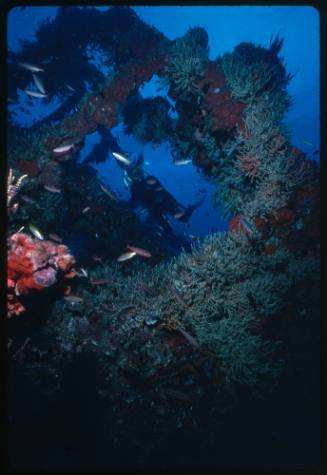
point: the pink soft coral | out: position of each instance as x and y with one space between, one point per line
32 266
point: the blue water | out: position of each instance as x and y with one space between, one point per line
226 27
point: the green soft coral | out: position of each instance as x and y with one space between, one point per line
188 57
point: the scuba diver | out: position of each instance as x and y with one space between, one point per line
147 191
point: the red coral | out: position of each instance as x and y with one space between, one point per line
238 223
32 266
226 113
283 217
250 164
234 224
269 248
260 224
27 167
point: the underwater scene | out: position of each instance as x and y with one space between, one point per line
163 237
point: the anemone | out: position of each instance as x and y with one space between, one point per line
252 71
188 57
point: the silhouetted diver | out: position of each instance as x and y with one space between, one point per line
147 191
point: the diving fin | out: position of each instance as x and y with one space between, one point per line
190 209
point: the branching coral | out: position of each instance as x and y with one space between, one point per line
246 359
13 188
216 293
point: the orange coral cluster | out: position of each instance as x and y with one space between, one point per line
32 266
250 164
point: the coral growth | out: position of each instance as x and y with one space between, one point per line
187 60
252 71
32 266
224 110
13 187
147 119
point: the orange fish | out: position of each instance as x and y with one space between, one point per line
139 251
51 188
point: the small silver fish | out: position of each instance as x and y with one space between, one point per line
307 142
31 67
128 178
84 272
182 162
55 237
107 192
73 299
38 84
85 210
151 321
70 88
27 199
126 256
126 183
151 181
35 94
63 148
121 158
36 233
52 189
189 337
